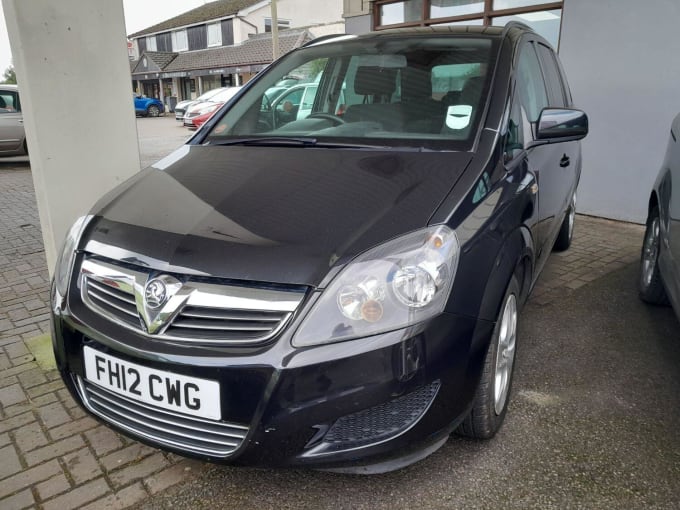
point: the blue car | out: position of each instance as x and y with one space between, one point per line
148 106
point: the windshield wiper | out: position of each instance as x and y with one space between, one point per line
275 141
268 141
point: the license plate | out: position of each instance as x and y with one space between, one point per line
189 395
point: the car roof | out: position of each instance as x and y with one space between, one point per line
513 28
9 86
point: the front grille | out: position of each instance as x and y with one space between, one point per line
110 297
201 322
176 430
200 312
378 424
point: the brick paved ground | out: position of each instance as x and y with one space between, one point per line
53 456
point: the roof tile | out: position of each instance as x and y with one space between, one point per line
212 10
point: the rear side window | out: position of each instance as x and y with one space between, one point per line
552 76
530 81
9 102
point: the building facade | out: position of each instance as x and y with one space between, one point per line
364 15
222 43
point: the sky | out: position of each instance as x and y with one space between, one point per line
139 14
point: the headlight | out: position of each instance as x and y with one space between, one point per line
66 257
394 285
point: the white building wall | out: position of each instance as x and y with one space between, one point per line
621 58
301 13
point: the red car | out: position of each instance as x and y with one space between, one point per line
199 113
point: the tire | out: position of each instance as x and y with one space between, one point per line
650 283
153 111
563 240
491 398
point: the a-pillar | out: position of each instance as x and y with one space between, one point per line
84 143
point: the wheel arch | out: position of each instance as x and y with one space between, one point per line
515 258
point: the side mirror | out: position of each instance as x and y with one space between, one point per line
561 125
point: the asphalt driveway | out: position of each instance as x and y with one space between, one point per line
594 422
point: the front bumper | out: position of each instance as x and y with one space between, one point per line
352 403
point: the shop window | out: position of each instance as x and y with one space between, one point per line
215 34
447 8
401 12
514 4
471 12
545 23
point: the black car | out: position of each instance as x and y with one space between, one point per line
660 261
341 291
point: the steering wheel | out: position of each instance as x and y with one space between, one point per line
328 116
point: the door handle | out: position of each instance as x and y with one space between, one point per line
564 162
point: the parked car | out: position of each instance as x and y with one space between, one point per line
660 260
148 106
12 136
296 104
198 113
182 106
340 292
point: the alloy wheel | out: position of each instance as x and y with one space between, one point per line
650 252
505 353
572 215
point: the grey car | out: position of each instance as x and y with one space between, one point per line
660 261
12 137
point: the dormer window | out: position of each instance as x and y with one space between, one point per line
282 24
215 34
151 43
180 41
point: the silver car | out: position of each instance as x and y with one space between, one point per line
182 107
12 137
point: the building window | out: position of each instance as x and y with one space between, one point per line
215 34
179 41
446 8
543 16
401 12
282 24
545 23
151 43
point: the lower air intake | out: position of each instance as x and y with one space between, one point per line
380 423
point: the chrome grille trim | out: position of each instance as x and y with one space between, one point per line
206 313
111 303
198 435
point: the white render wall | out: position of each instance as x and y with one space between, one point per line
301 13
622 58
74 80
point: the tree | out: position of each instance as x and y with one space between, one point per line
9 76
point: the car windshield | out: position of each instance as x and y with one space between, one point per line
225 95
207 95
426 92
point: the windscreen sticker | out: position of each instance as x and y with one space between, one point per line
458 116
